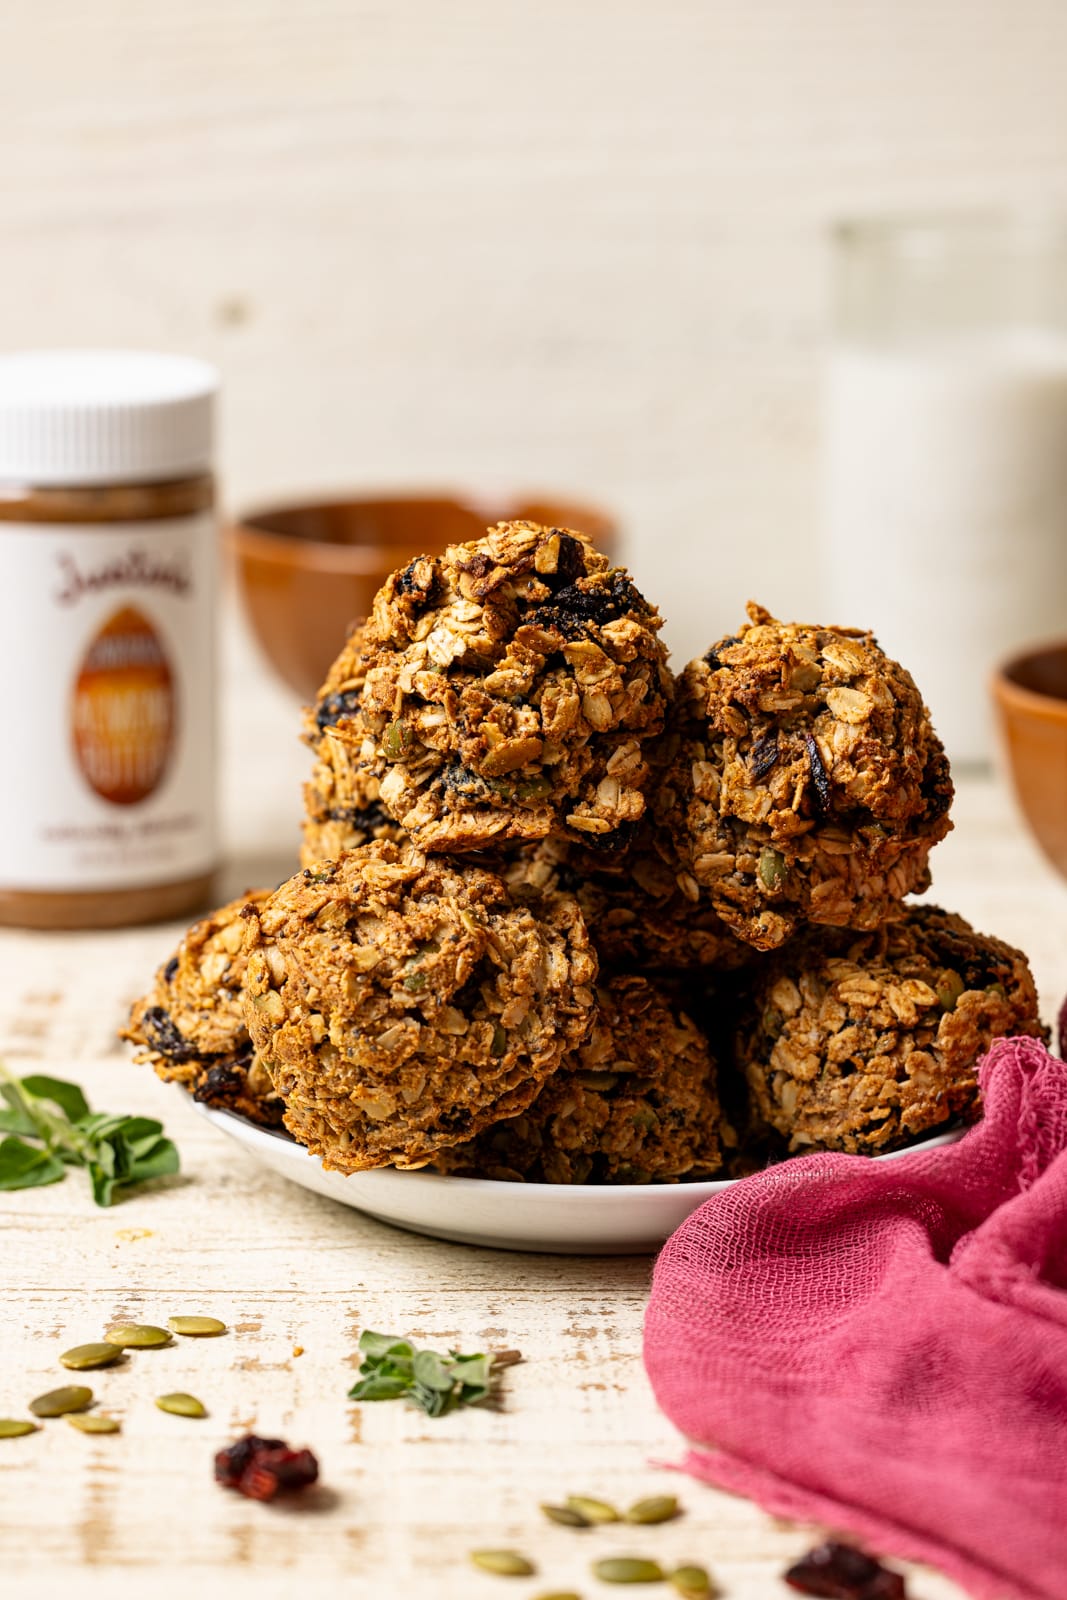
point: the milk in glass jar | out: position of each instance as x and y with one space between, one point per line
945 493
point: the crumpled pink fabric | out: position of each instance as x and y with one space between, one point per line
882 1345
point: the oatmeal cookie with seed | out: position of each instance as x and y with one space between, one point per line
641 912
341 805
637 1103
402 1003
806 782
190 1027
509 688
871 1044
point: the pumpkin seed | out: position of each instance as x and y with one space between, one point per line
627 1569
772 868
15 1427
182 1405
505 1563
559 1594
89 1422
566 1515
85 1356
138 1336
196 1327
692 1583
592 1510
949 988
597 1081
396 740
58 1402
657 1508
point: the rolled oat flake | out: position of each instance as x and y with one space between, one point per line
107 620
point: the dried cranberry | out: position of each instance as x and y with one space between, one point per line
296 1469
262 1468
841 1572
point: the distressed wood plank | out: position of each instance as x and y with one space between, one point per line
405 1498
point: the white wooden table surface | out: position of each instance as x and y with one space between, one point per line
404 1498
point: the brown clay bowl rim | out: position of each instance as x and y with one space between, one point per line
1014 694
367 560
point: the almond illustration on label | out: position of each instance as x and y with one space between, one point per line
124 709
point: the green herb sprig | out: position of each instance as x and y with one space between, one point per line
115 1151
393 1369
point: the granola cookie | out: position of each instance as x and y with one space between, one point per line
403 1003
876 1043
643 913
190 1027
807 783
637 1103
512 685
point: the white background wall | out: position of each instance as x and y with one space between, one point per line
577 244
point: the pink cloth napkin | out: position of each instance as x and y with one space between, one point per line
882 1345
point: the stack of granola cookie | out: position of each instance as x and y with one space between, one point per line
557 909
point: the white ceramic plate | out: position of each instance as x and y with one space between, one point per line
560 1219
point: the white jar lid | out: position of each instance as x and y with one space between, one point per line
71 417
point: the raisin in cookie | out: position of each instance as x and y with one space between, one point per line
402 1003
637 1103
190 1027
877 1042
805 783
507 691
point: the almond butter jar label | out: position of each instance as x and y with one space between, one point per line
107 703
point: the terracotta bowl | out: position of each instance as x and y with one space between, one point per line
306 572
1031 697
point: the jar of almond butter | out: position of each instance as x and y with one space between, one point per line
108 556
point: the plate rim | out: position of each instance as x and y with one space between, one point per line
276 1141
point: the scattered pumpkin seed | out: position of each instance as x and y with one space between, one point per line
182 1405
627 1569
505 1563
692 1583
499 1043
90 1422
138 1336
559 1594
565 1515
58 1402
15 1427
657 1508
196 1327
85 1356
592 1510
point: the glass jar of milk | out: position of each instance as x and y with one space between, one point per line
945 509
